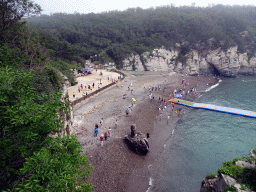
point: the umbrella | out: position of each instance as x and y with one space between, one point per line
177 95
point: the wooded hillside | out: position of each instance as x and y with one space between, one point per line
76 37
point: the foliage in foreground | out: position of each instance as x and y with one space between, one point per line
26 119
29 105
56 167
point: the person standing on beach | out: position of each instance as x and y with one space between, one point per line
101 122
74 95
106 135
93 85
109 130
116 124
79 89
96 131
101 140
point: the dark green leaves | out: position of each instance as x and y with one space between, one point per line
26 118
56 167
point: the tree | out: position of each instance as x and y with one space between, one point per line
56 167
26 119
118 52
11 11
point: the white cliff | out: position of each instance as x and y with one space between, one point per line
228 62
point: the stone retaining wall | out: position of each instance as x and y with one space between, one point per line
67 128
98 90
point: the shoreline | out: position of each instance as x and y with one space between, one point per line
115 165
157 144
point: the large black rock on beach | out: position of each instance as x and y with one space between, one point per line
137 141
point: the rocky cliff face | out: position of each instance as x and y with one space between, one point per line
227 63
220 182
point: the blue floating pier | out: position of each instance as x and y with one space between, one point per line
214 108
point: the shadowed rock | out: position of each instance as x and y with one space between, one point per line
137 141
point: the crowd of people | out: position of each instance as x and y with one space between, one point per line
105 133
154 90
88 88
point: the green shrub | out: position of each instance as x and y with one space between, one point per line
230 188
56 167
211 176
246 176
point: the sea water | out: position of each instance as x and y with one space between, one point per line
203 140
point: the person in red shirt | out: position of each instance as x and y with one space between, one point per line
106 135
101 140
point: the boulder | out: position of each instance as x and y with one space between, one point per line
137 141
252 154
244 164
218 184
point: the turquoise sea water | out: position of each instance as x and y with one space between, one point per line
204 139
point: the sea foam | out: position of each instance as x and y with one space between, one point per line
212 87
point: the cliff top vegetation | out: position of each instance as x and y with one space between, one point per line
116 34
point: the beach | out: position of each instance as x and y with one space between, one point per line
116 167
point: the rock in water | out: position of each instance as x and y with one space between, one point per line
137 141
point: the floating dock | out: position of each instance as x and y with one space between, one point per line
214 108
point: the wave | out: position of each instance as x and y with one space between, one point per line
150 184
248 80
212 87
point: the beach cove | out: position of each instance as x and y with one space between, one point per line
117 168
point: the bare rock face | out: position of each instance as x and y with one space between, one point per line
217 184
252 154
137 141
247 66
227 63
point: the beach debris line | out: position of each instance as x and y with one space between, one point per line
137 141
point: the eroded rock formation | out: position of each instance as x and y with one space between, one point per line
137 141
227 63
